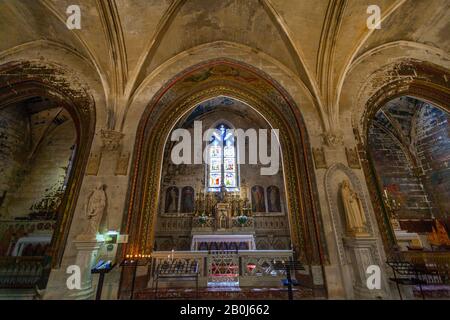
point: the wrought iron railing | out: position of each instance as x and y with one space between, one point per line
248 267
24 272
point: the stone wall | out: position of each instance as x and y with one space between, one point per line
14 148
396 174
46 172
410 148
433 150
34 157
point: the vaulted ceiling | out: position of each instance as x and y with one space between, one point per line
318 41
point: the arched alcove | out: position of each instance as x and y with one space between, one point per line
223 77
408 148
31 85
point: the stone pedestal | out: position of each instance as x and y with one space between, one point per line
87 248
363 252
407 239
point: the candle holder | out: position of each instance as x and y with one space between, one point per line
393 207
135 261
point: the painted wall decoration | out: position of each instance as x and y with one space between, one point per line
122 164
258 202
352 158
172 195
93 164
320 161
410 147
187 200
273 199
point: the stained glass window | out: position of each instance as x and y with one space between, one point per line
222 168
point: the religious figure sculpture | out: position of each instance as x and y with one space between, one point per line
258 204
222 215
187 200
274 199
354 212
172 200
95 209
223 220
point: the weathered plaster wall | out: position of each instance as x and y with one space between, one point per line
410 148
14 149
396 174
433 150
46 170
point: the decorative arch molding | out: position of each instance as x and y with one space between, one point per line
224 77
408 77
26 79
175 66
333 205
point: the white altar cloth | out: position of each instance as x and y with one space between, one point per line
42 239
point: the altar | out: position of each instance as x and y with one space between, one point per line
211 242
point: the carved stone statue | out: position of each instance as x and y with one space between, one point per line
354 212
95 209
222 215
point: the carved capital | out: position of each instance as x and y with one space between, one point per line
111 139
333 139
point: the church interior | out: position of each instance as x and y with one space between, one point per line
224 149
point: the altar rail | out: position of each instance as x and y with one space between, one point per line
427 257
250 267
23 272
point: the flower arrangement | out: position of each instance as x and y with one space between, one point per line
242 219
202 219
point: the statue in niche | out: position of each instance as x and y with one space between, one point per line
187 200
172 200
273 194
222 215
95 209
258 202
354 212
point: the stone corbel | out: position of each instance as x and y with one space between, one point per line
333 139
111 140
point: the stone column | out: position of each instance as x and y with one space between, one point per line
87 252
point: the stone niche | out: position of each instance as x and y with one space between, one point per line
354 253
38 146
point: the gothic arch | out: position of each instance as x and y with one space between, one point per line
236 80
407 77
26 79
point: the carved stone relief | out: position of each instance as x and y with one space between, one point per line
352 158
122 164
93 164
320 162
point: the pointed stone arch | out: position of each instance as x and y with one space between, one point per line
25 79
224 77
